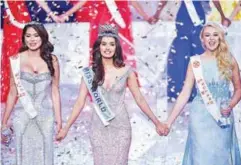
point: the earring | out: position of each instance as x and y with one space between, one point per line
25 46
98 55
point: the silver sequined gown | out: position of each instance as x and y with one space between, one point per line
34 137
111 144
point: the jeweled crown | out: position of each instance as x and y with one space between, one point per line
108 30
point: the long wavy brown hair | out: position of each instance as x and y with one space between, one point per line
222 53
45 49
97 65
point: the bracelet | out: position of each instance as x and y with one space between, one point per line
3 127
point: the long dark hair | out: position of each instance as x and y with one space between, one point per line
97 65
45 49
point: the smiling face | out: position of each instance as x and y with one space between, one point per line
210 38
32 39
107 47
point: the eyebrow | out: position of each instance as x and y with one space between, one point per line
210 33
107 42
31 33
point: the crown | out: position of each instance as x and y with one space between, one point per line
108 30
33 23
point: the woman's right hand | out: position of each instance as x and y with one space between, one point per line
4 139
162 129
62 134
63 18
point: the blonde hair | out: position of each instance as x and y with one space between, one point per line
222 52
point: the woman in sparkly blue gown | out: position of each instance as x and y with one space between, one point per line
208 143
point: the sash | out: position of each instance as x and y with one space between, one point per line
101 107
113 9
193 13
207 97
22 94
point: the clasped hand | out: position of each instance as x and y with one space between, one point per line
162 129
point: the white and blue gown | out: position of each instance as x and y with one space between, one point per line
207 143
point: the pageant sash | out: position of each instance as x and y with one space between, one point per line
207 97
115 13
101 107
193 13
22 94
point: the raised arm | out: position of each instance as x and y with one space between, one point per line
64 17
141 11
160 7
49 12
183 97
78 106
236 10
141 102
56 95
224 20
11 99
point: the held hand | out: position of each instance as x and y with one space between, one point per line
55 18
63 18
152 20
162 129
62 134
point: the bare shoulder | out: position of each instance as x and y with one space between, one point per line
55 58
122 69
127 67
233 59
202 56
234 62
22 54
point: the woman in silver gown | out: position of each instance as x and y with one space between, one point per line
110 144
39 76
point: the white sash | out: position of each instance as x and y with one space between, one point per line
206 95
114 11
22 94
101 107
193 13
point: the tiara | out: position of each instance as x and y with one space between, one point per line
33 23
108 30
